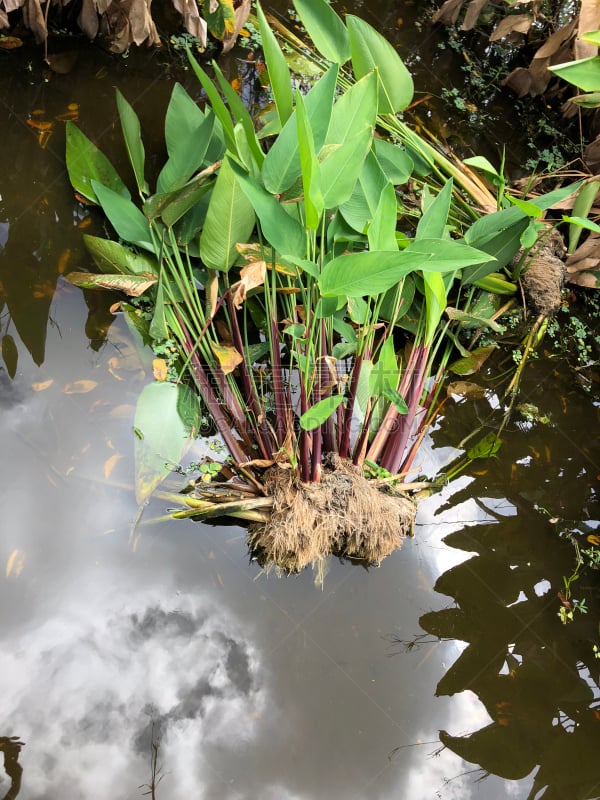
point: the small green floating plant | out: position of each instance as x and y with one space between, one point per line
313 316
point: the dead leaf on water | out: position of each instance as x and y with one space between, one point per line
41 385
10 42
466 390
15 563
110 464
80 387
123 411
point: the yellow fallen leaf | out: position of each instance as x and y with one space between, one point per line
593 539
80 387
227 356
15 563
124 411
41 385
159 369
110 464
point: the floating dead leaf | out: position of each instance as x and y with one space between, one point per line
110 464
115 307
159 369
41 385
10 42
63 260
15 563
514 23
123 411
80 387
40 124
466 390
251 276
227 356
62 63
593 539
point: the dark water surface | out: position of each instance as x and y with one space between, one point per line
256 688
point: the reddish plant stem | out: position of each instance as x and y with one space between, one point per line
394 451
304 441
347 423
279 393
248 386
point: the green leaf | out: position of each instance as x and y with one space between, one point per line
499 235
593 37
220 18
394 160
188 134
130 125
277 68
370 273
470 321
385 373
229 220
241 114
472 363
361 207
281 166
382 230
216 103
341 166
370 50
585 73
482 163
124 216
168 416
432 224
281 231
317 414
85 163
530 209
325 28
396 400
311 173
486 447
581 208
435 303
10 354
530 235
115 258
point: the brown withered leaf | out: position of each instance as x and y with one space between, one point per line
227 356
80 387
474 9
110 464
41 385
465 390
583 266
589 20
251 276
514 23
9 42
192 21
448 13
242 12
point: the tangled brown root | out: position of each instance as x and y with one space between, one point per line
545 277
343 515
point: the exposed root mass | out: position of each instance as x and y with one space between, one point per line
344 515
545 277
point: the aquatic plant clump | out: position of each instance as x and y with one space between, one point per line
314 313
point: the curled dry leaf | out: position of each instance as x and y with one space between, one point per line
251 276
15 563
80 387
159 369
515 23
583 266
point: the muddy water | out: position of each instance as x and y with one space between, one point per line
250 687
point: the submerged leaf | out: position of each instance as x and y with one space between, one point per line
485 448
80 387
166 418
473 362
10 354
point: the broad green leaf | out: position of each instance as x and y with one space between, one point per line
581 208
167 416
435 303
530 235
470 321
370 273
171 206
132 285
382 230
394 160
469 365
585 73
124 216
277 68
398 300
281 166
321 411
188 133
354 111
499 235
370 50
545 201
530 209
396 399
311 173
130 125
362 205
282 232
486 447
229 220
433 222
85 163
10 354
385 373
112 257
325 28
588 100
216 103
593 37
241 114
482 163
341 166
